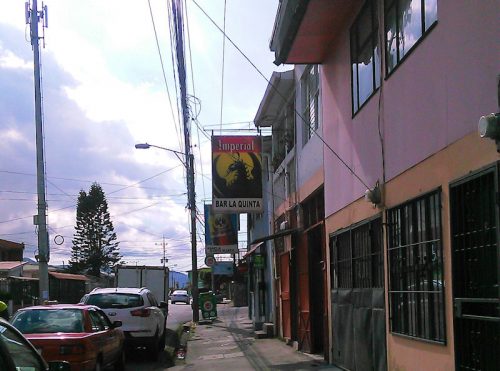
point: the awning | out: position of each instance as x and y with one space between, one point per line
259 241
253 247
276 235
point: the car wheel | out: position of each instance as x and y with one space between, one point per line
153 348
163 338
120 362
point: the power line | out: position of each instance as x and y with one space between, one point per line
161 62
281 95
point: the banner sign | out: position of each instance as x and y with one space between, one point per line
223 269
237 174
221 232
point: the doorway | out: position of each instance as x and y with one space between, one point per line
474 212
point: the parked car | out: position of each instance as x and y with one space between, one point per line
143 319
17 353
82 335
180 296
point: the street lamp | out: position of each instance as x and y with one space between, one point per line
189 164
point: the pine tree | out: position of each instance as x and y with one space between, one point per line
94 242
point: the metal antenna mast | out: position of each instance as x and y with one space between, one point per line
33 17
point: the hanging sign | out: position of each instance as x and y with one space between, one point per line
237 174
221 232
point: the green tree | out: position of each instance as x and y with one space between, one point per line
94 242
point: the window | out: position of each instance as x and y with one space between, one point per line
152 299
310 101
17 348
115 300
104 319
365 60
96 320
357 260
415 253
406 22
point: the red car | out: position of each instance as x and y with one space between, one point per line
79 334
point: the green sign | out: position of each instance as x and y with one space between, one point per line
208 305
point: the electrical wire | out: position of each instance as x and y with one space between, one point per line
281 95
176 125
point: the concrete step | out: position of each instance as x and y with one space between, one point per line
268 327
260 334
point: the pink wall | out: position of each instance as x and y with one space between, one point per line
433 98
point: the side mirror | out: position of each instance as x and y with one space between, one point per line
59 366
117 324
164 304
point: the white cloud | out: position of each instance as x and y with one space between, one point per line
9 60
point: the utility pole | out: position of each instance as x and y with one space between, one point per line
166 282
178 30
194 257
33 17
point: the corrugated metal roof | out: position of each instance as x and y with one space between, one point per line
68 276
6 266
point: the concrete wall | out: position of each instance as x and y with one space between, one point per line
433 98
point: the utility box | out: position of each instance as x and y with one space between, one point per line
208 305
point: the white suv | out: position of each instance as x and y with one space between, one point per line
143 319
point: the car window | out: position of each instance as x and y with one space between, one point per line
43 321
115 300
152 300
180 292
83 299
24 357
104 319
97 323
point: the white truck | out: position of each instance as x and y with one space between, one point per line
155 278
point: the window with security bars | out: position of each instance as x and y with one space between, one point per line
357 260
415 255
310 101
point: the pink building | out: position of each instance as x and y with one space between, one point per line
414 263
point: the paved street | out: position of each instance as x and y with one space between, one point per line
140 360
177 314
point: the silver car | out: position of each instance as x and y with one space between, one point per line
181 296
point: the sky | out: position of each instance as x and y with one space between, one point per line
103 92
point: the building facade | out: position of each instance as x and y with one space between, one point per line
410 188
11 251
290 107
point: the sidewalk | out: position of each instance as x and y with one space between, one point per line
229 344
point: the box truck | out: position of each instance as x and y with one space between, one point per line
155 278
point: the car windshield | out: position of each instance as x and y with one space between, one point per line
43 321
180 292
115 300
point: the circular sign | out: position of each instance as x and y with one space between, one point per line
209 261
208 306
58 240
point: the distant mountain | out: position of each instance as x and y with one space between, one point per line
178 280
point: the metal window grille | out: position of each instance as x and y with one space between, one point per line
310 93
357 257
415 254
314 210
